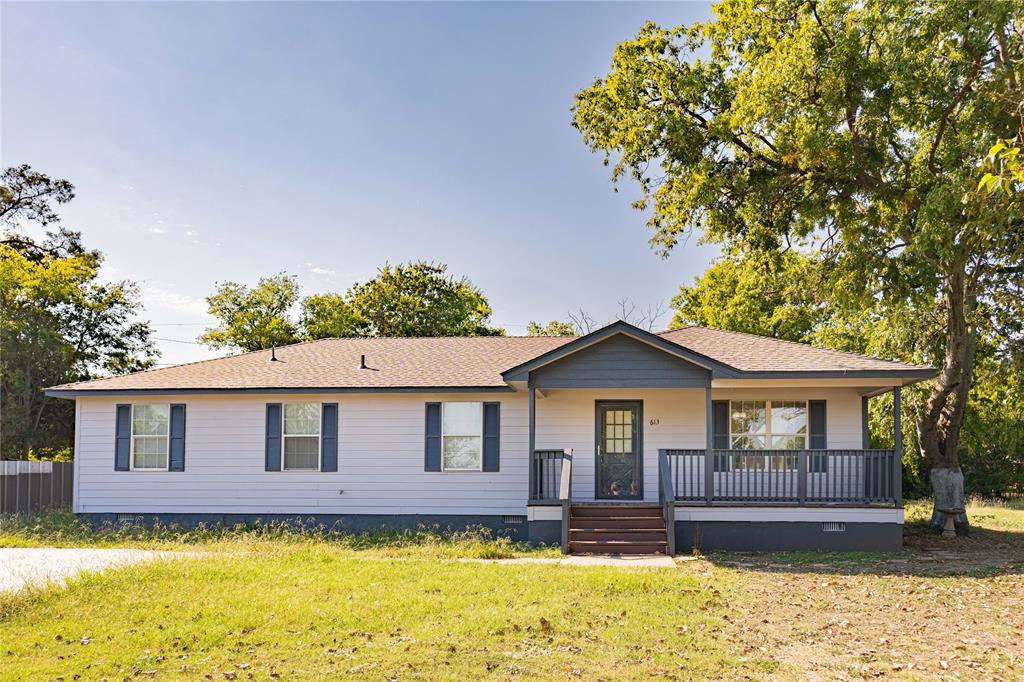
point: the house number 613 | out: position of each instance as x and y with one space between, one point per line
654 422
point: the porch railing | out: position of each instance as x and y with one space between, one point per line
667 497
565 497
785 476
546 475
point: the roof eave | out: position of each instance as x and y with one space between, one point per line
57 392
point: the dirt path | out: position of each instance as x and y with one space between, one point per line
946 609
38 566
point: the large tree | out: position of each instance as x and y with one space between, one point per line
850 132
408 299
58 321
253 318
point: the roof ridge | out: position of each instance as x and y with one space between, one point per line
416 338
801 344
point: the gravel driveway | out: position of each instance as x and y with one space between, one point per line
21 567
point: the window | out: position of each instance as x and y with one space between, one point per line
150 441
462 426
767 425
301 433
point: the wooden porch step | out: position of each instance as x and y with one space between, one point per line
640 535
615 510
616 547
595 522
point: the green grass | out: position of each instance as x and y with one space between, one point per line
993 514
64 529
279 602
314 610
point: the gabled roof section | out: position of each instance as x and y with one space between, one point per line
755 355
481 363
521 372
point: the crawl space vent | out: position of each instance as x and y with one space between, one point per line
126 518
834 526
514 519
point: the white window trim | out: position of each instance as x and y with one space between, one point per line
132 437
768 433
319 437
463 435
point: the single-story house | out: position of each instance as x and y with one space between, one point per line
621 440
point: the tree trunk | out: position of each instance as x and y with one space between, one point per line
939 424
948 491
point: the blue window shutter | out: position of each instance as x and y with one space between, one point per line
273 461
329 437
720 432
816 431
176 461
123 438
432 450
492 439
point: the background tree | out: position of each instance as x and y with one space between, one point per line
552 328
757 293
329 315
848 132
408 299
58 323
253 319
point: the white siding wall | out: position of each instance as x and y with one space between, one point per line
380 462
380 452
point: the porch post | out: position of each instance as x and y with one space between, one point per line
532 393
897 442
709 455
865 429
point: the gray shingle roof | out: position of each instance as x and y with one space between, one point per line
752 353
454 362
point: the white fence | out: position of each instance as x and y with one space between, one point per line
30 487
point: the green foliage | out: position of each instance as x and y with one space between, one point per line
253 319
413 299
420 299
552 328
328 316
849 133
765 294
58 322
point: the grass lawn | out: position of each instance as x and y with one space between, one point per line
287 605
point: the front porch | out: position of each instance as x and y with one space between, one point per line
631 419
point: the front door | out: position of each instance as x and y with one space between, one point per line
619 450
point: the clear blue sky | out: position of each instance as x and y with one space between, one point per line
233 140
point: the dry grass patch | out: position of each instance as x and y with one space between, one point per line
942 609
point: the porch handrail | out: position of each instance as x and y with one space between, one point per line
829 476
545 474
565 496
667 497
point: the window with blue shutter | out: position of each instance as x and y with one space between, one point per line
432 445
123 438
329 437
816 429
273 437
492 438
720 432
176 458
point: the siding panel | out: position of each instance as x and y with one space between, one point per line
380 453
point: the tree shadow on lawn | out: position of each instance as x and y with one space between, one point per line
988 553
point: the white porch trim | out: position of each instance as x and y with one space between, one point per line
792 514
